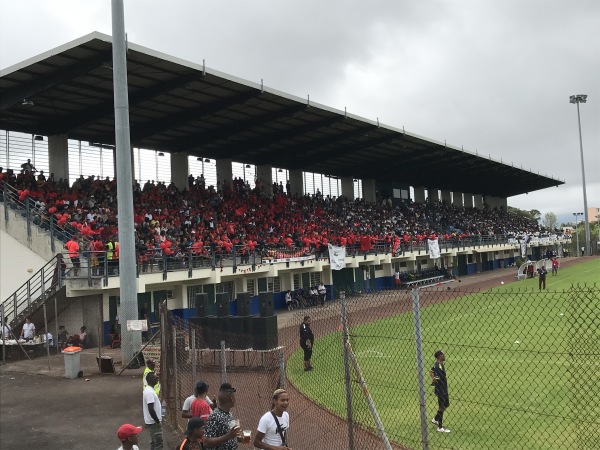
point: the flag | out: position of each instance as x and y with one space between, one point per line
524 242
434 248
337 257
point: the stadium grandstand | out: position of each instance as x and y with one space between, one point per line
238 188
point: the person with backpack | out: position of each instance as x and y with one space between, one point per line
273 426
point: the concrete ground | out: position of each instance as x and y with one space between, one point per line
41 408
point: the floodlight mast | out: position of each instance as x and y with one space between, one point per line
577 99
131 341
577 232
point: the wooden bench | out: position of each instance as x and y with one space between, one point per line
423 282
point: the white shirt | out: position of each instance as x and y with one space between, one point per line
187 404
267 425
28 330
49 337
135 447
6 331
149 396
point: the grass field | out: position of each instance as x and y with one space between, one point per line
523 367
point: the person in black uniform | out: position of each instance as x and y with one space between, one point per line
307 339
438 379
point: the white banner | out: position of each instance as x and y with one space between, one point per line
434 248
524 245
137 325
337 257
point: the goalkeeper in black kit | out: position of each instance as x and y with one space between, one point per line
438 379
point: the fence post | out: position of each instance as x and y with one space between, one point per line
223 363
5 199
28 211
46 331
193 336
3 324
281 369
345 338
43 286
58 350
420 374
175 369
52 245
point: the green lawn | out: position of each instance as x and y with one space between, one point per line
519 365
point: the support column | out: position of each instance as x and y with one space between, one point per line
224 172
180 170
478 201
369 193
419 195
433 195
468 200
446 198
502 204
58 156
296 182
348 188
265 176
457 199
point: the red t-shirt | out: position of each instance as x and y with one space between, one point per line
200 408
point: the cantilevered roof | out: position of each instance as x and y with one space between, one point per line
178 106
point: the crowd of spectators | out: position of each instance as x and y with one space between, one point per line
208 219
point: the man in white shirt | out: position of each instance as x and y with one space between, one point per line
28 331
322 294
5 330
186 410
152 412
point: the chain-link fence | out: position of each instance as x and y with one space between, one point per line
522 367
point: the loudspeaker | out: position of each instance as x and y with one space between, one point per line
266 304
243 303
214 331
222 301
238 333
202 305
265 332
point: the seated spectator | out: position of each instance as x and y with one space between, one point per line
46 337
63 337
83 337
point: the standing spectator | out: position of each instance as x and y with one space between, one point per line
150 366
193 435
271 433
307 339
144 316
438 379
542 277
397 279
5 329
28 331
152 412
221 430
554 266
128 435
82 337
63 336
186 410
322 293
28 167
288 300
200 407
73 248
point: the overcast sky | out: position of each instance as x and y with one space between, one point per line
494 76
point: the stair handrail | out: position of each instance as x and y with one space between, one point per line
39 286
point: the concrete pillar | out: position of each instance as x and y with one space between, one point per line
224 172
179 170
369 193
265 176
478 201
296 182
348 188
58 156
468 200
457 199
446 197
433 195
502 203
419 195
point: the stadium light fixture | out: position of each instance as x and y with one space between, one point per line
37 137
207 160
247 166
577 99
161 154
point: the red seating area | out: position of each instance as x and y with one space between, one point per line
206 219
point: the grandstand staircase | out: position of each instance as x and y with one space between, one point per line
45 287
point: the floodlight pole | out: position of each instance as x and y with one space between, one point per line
131 340
577 99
